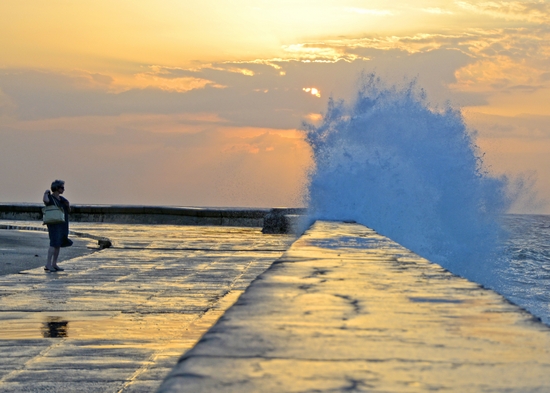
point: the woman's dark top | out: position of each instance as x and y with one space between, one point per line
59 232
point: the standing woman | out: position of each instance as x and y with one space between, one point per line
59 233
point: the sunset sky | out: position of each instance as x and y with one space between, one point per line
200 103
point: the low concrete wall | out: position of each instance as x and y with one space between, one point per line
121 214
284 220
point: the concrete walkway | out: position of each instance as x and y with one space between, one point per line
117 320
348 310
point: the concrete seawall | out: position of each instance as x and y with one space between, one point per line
127 214
346 309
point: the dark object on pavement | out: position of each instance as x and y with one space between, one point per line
104 243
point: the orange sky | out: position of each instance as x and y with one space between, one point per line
198 102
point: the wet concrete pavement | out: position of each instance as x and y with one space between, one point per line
344 309
348 310
23 250
118 319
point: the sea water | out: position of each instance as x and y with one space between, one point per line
412 172
523 266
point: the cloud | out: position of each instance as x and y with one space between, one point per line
530 11
500 59
179 85
182 123
467 68
527 127
258 94
7 107
318 52
508 60
41 95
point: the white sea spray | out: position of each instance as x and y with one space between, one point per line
409 171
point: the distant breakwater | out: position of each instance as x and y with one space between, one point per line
276 220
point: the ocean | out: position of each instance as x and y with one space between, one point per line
412 172
523 268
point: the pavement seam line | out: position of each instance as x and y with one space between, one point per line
151 360
32 360
196 249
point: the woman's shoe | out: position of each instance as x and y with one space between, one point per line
59 269
50 270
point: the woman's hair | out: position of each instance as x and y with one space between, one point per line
56 184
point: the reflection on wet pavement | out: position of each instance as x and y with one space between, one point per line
55 327
118 320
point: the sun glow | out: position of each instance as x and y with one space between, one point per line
313 91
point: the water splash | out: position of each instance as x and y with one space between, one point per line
410 172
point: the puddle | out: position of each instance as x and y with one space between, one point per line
113 325
31 325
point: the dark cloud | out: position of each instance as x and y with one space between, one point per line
38 95
270 96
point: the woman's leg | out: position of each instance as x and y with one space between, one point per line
54 260
53 253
